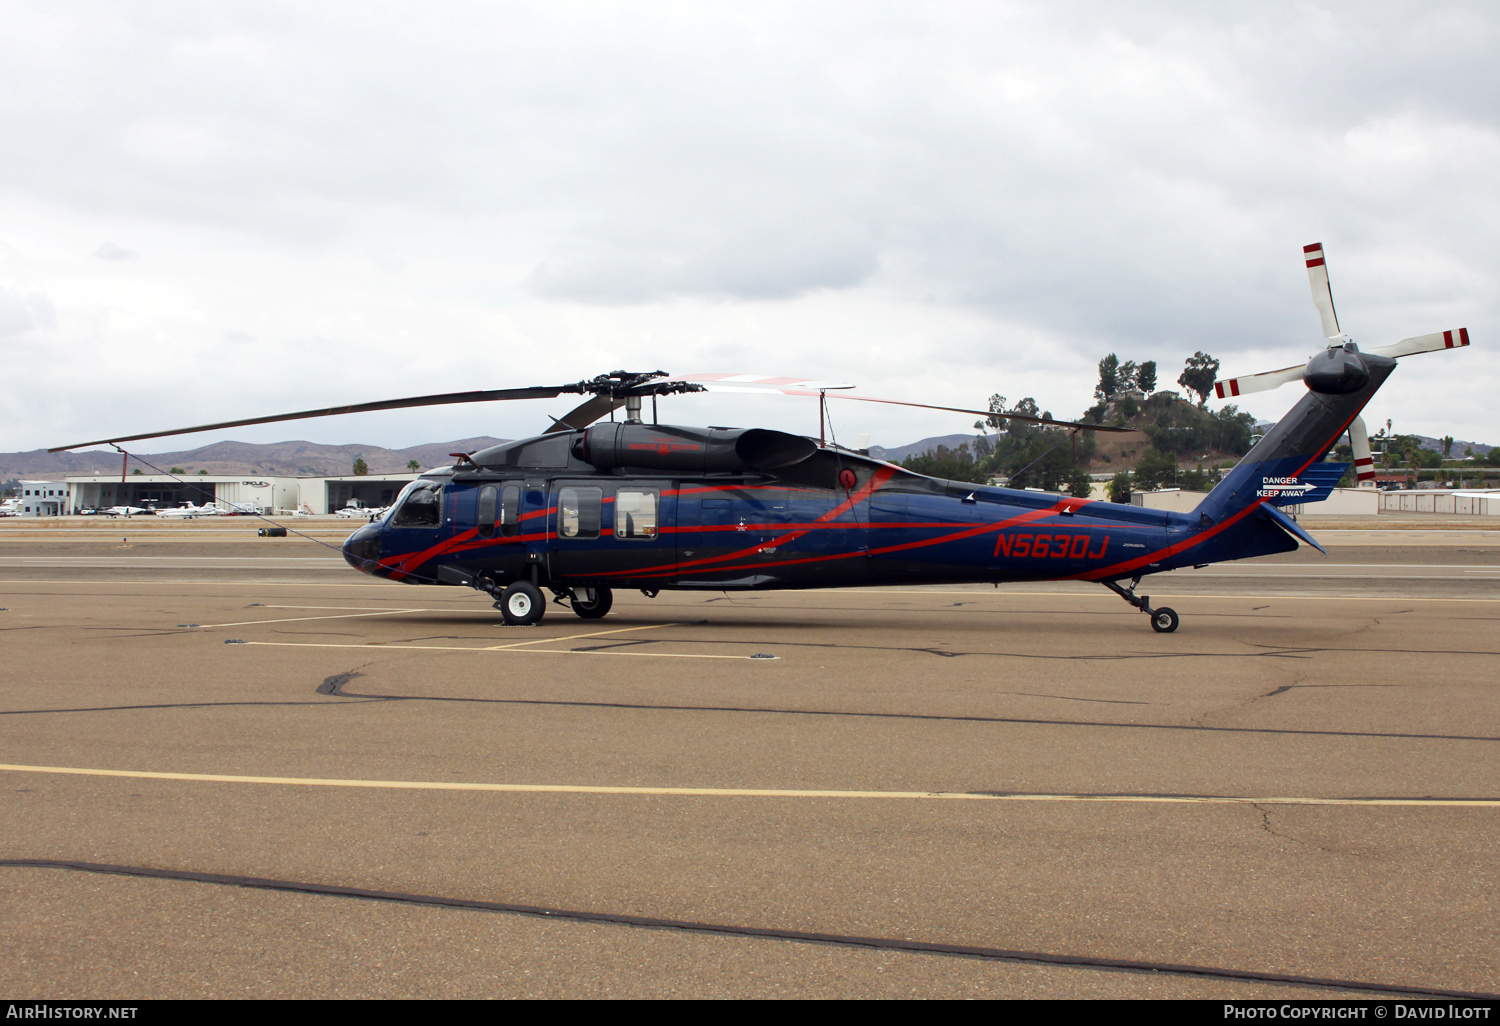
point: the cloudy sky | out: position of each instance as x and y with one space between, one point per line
211 210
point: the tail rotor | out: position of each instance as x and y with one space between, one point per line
1316 372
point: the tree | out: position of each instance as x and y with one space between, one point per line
137 470
1155 469
1447 446
177 470
949 464
1145 378
413 466
1119 487
1128 372
361 468
1199 374
1109 378
203 472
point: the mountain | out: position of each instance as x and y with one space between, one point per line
900 453
311 459
278 459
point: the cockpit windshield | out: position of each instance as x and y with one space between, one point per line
420 504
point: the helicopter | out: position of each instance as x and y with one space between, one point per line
591 506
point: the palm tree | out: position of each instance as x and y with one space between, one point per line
413 466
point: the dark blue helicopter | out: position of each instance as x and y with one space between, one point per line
584 510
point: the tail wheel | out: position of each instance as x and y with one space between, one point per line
1164 620
522 604
592 603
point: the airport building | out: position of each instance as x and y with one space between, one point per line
245 492
43 499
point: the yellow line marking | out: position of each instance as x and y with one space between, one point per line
748 792
291 619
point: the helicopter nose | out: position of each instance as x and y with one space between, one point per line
362 548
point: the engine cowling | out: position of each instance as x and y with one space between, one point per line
689 450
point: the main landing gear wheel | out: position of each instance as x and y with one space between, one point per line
1163 620
592 603
522 604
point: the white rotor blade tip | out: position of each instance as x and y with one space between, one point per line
1322 292
1230 387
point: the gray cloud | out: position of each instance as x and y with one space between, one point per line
109 251
25 312
1083 176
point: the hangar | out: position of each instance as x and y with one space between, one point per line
264 494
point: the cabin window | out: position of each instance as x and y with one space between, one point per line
510 511
489 501
635 513
422 506
578 512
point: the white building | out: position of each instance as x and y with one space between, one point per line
43 499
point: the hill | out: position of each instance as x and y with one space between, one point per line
277 459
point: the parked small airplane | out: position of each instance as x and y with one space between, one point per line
187 511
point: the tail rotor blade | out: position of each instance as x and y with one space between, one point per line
1453 339
1230 387
1364 464
1322 292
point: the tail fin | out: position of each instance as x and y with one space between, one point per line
1285 467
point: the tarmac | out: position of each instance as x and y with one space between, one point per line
233 767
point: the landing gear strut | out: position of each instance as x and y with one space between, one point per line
1163 620
592 603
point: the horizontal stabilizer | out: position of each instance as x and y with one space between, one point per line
1290 526
1314 484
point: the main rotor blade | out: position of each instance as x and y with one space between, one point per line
1453 339
751 384
1258 382
1359 441
754 384
489 395
1322 292
1046 421
586 412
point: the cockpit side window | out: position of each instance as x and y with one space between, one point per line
422 505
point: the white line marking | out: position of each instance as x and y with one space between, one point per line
517 651
753 792
591 634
